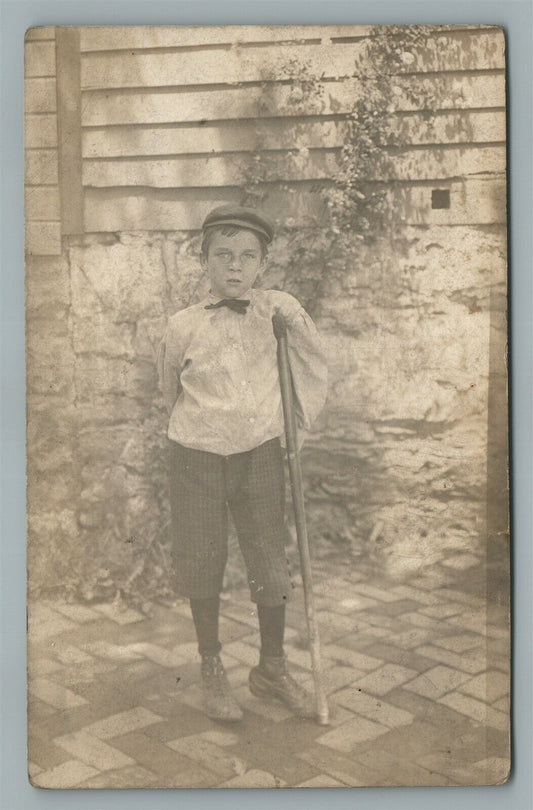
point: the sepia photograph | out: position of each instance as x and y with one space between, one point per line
266 271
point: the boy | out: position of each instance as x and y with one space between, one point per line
218 370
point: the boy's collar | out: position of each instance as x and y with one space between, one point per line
214 299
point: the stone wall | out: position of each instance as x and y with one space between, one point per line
396 469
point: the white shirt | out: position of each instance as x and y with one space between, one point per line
219 374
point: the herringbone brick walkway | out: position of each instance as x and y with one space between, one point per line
417 676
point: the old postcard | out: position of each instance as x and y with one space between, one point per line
266 297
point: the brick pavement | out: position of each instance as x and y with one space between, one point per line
417 673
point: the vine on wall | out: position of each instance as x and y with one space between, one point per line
356 217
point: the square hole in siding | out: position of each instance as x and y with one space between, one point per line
440 198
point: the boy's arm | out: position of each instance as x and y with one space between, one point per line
308 361
169 371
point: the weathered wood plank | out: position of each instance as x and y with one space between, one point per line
230 170
136 69
41 202
124 141
245 136
472 201
143 107
463 127
39 59
447 162
475 51
43 238
40 32
108 210
156 36
40 96
40 130
98 38
40 167
182 172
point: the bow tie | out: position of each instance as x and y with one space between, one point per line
236 304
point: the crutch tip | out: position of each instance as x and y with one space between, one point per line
323 719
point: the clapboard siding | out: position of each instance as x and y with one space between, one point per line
171 113
125 141
445 127
473 201
104 38
231 66
40 131
41 166
472 51
39 59
232 136
40 95
143 107
229 170
169 117
41 203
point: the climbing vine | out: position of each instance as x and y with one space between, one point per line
356 205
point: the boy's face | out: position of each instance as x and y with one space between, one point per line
233 263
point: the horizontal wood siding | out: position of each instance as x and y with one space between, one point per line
40 131
40 95
172 116
42 203
318 164
40 59
104 38
474 201
450 53
234 103
240 136
41 165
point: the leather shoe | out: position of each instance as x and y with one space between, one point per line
271 679
218 701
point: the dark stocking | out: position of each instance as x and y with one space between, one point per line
205 617
271 629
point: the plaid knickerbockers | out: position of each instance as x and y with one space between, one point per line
202 487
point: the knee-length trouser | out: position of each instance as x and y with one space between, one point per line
202 488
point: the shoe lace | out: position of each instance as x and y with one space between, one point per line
213 671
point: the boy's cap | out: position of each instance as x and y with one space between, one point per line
243 217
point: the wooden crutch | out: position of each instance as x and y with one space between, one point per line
295 473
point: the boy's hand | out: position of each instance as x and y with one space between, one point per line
279 324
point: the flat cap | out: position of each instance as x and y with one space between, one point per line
241 216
